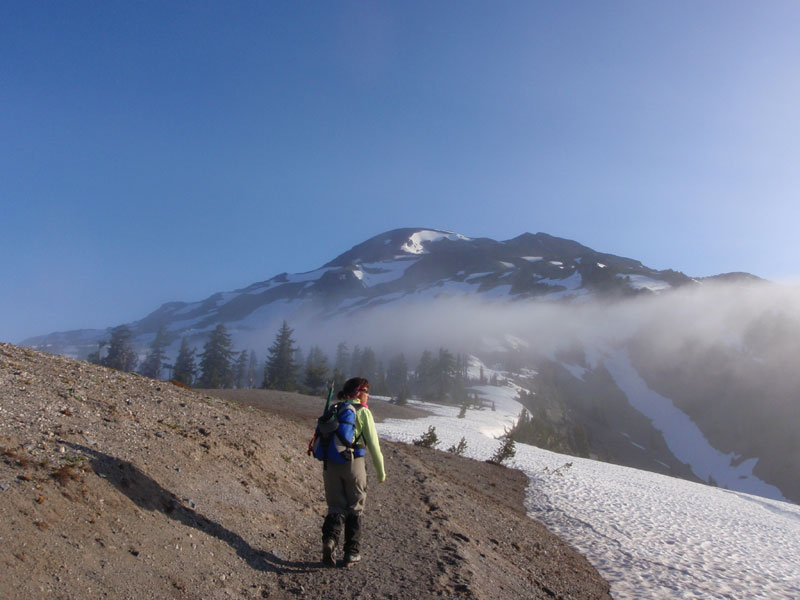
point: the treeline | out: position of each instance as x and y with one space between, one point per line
439 376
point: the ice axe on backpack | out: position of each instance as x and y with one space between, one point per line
325 412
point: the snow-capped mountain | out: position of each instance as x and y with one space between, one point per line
391 267
672 389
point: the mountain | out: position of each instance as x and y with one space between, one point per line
389 268
642 367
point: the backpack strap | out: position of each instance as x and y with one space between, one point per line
355 407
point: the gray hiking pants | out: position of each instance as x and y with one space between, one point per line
346 486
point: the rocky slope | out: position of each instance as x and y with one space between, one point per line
116 486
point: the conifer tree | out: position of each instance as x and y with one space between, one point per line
339 379
397 374
94 357
280 370
216 360
355 362
251 370
426 376
120 351
185 367
241 370
460 448
506 450
299 361
402 397
154 361
368 367
342 359
316 370
378 383
429 439
445 372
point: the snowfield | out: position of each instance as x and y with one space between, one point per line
651 536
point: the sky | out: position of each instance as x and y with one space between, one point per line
160 151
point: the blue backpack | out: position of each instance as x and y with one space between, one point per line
334 439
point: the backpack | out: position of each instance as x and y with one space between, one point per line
334 439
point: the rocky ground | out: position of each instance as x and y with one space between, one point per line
117 486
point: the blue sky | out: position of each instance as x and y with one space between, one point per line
160 151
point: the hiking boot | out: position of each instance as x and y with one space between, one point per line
351 559
328 549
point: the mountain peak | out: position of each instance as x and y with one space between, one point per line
394 244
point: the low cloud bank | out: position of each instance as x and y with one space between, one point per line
759 318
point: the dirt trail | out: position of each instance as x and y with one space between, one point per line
117 486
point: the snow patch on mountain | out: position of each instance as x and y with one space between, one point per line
304 277
576 371
649 535
384 272
573 282
683 437
642 282
416 242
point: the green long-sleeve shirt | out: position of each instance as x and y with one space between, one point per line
365 427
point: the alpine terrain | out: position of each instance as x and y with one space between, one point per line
654 369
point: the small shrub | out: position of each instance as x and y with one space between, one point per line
65 474
180 384
429 439
506 450
460 448
559 472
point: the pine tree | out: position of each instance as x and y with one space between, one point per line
429 439
378 383
342 360
368 368
120 352
339 379
216 359
397 374
185 367
426 376
506 450
251 370
241 370
280 371
355 362
94 357
460 448
402 397
445 372
299 359
154 361
316 370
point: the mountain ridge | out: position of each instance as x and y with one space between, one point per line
394 264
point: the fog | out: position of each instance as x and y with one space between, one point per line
761 320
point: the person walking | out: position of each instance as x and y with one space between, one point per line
346 482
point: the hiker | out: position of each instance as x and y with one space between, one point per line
346 482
